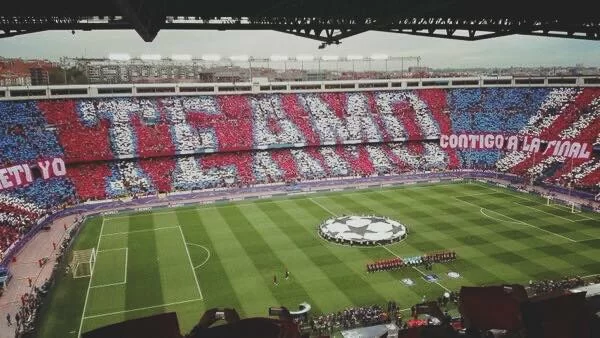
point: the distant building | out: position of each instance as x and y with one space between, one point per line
140 71
39 76
315 76
419 69
17 72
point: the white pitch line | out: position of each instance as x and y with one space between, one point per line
533 226
207 251
494 218
115 249
135 231
87 294
516 195
414 267
438 283
539 210
322 207
107 285
521 222
277 199
479 194
190 260
125 274
143 308
126 261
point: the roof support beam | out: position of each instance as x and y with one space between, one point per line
148 16
145 16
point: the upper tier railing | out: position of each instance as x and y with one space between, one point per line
190 89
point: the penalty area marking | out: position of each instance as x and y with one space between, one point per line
205 249
557 207
125 274
142 308
482 210
136 231
480 194
520 222
542 211
190 260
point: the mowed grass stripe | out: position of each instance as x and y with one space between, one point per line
584 227
497 208
466 241
533 210
518 249
541 203
415 293
491 250
248 283
61 310
215 294
292 246
177 274
505 251
108 299
318 268
144 287
434 237
387 284
108 263
382 285
429 241
288 293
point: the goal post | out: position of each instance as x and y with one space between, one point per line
570 206
575 208
82 264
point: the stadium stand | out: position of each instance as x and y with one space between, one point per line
131 147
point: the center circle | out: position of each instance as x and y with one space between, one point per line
362 230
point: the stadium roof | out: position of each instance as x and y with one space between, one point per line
328 21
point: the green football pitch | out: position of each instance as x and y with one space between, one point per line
225 255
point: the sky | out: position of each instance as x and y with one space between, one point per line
434 52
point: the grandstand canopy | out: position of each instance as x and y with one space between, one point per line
328 21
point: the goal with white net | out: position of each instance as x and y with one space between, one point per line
82 264
569 206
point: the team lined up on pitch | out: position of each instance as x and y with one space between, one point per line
396 263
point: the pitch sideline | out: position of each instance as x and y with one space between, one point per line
87 294
84 317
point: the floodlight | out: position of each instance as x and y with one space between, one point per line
150 57
211 57
330 58
355 57
278 58
119 57
305 57
181 57
240 58
379 57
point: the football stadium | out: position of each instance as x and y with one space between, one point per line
169 198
